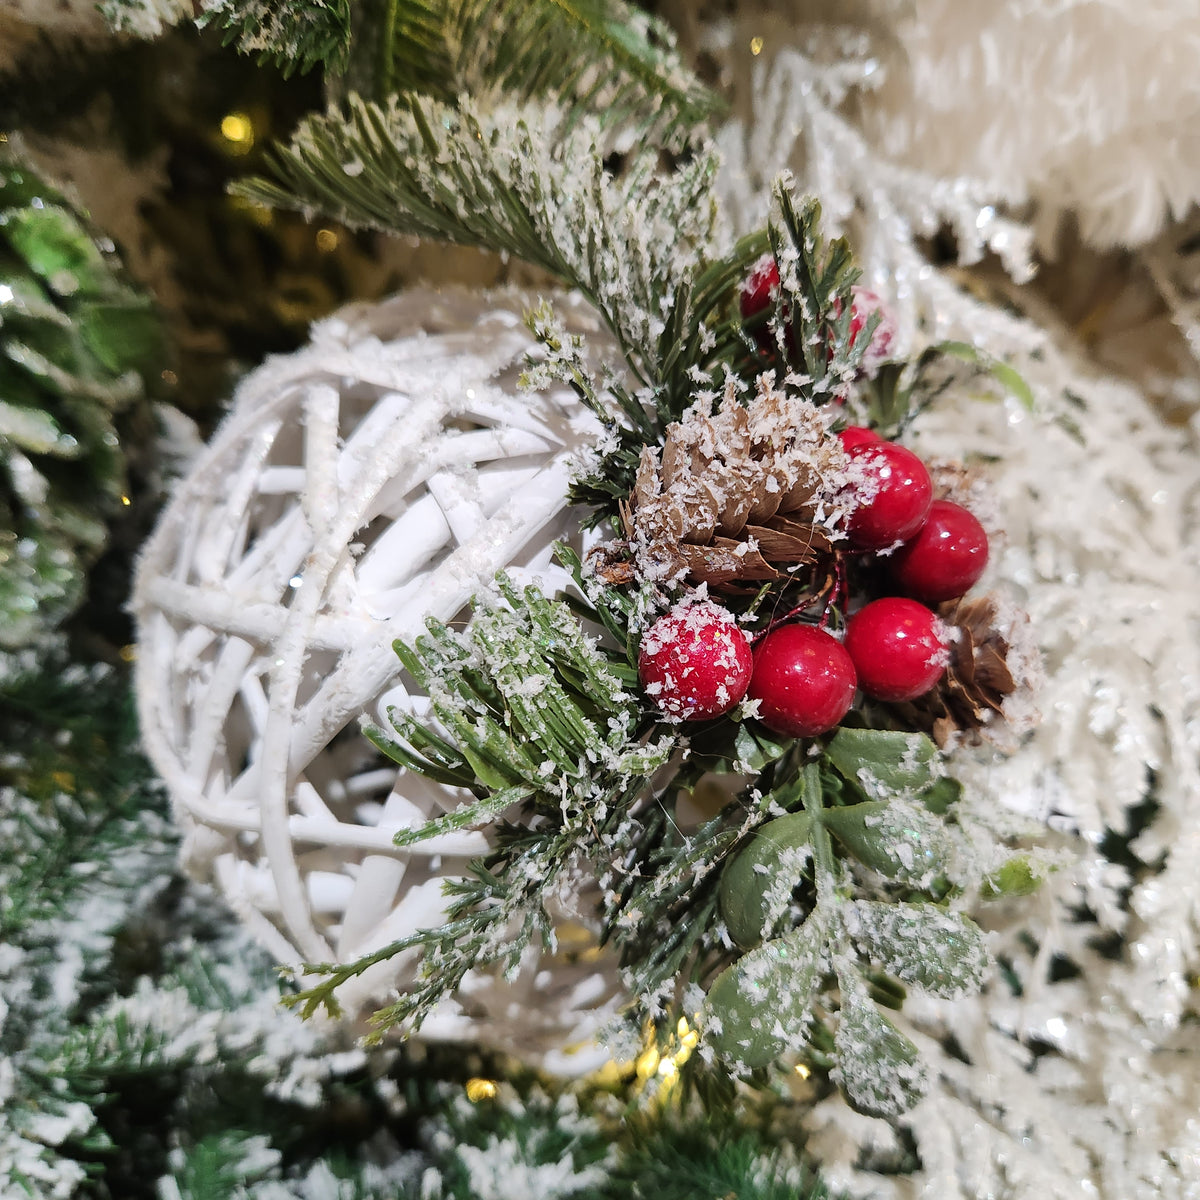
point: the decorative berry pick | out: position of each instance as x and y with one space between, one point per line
729 482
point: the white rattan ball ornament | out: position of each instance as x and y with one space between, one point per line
381 475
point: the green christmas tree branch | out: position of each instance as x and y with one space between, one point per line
518 180
591 56
293 35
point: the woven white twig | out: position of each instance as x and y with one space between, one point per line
381 475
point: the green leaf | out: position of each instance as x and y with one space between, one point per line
942 953
1008 377
1018 876
884 762
755 748
778 847
901 841
762 1004
879 1069
941 795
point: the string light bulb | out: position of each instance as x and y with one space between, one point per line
480 1089
238 130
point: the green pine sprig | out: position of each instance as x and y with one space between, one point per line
686 1161
516 180
810 321
531 715
590 56
599 57
293 35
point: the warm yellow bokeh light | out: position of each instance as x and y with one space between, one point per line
481 1089
238 131
647 1063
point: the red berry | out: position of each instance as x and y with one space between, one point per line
897 648
758 287
946 558
863 304
695 662
894 497
803 679
858 435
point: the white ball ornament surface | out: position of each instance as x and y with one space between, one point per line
381 475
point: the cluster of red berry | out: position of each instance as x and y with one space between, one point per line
761 286
697 663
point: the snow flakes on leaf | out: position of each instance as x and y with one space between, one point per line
878 1068
762 1005
942 953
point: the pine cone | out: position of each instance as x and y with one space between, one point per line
743 495
979 677
967 486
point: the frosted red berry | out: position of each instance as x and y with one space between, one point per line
946 558
894 496
803 680
858 435
897 648
695 662
758 287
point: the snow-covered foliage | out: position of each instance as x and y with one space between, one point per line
1086 108
528 180
1075 1073
143 18
111 971
143 1053
1080 110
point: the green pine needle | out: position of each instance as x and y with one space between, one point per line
597 56
516 180
294 35
706 1161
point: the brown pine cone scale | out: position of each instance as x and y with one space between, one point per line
744 495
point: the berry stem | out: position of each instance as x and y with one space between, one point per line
804 602
839 594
